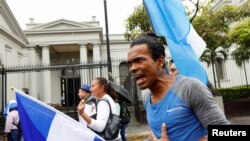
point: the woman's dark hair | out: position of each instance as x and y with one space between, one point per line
153 43
107 87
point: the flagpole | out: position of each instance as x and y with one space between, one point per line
107 42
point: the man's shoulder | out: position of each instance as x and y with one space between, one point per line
186 81
184 85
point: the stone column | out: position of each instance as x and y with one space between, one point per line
96 53
10 78
20 75
96 59
46 76
33 75
84 60
83 54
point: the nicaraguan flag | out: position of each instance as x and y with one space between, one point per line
41 122
169 19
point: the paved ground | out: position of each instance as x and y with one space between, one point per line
240 120
138 132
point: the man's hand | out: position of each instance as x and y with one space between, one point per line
203 139
164 136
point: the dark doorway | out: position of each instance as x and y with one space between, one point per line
69 91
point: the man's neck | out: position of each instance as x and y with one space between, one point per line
161 87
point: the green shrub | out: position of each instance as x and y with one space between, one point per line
234 93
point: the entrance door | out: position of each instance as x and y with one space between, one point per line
69 91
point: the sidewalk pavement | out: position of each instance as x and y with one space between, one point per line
139 131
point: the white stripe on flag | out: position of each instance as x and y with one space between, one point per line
63 128
196 42
169 19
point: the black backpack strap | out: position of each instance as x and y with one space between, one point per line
104 99
14 122
90 99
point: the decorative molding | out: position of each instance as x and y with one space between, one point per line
8 48
53 24
12 22
19 54
11 36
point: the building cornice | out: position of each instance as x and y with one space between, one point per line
49 31
11 20
12 37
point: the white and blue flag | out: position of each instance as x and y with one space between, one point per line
41 122
169 19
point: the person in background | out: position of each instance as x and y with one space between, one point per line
85 94
100 89
125 119
183 105
12 120
172 69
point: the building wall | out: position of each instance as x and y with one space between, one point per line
236 77
219 3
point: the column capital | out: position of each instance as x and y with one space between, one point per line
44 47
83 45
89 44
38 45
96 45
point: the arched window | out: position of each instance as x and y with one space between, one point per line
220 67
123 71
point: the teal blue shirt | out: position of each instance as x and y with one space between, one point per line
187 108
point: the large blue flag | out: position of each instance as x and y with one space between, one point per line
169 19
41 122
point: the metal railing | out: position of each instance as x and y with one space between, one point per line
225 75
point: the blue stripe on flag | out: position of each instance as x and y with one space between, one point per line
169 19
41 122
34 115
97 139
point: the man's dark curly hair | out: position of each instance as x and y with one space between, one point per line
153 43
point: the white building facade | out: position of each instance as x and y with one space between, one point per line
61 41
228 78
64 41
219 3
